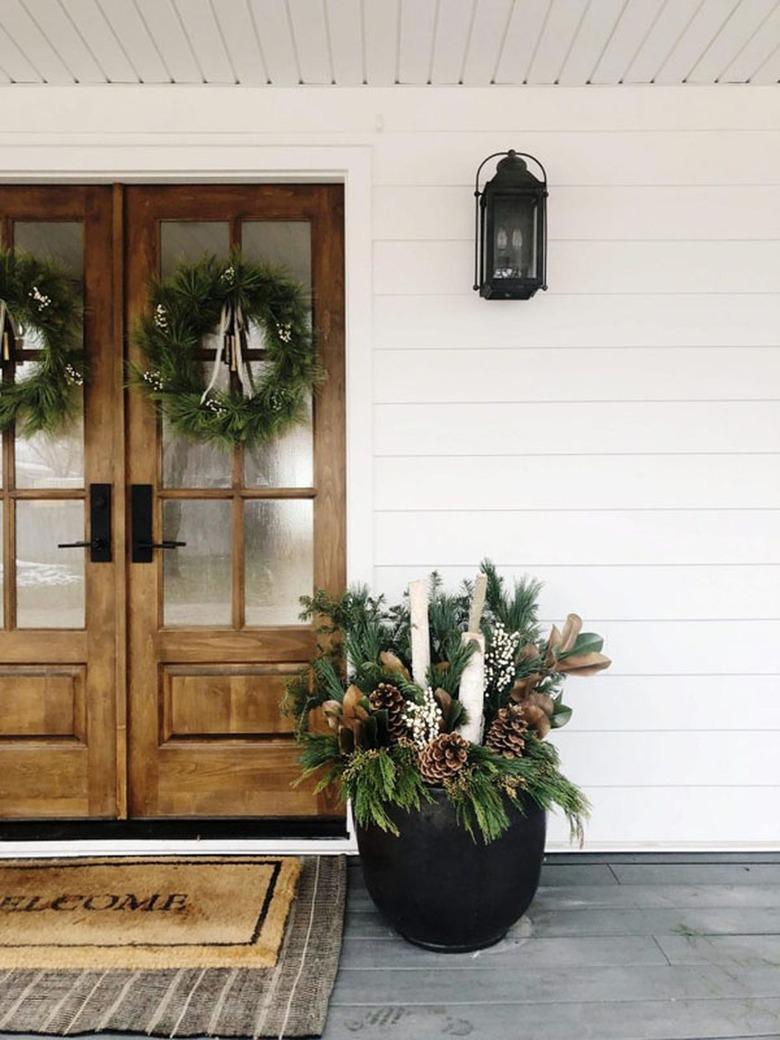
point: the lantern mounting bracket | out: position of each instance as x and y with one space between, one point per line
509 154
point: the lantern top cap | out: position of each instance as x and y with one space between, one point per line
513 170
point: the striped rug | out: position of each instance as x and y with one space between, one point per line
288 1000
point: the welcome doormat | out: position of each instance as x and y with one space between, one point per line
202 912
287 1000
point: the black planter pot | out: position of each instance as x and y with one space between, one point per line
442 890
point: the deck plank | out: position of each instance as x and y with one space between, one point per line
605 922
697 873
642 1020
393 952
525 983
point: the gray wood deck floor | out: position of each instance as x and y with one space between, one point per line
622 949
610 951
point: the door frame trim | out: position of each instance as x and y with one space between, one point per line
215 162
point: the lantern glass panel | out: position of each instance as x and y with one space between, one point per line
515 237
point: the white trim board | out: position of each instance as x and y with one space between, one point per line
212 161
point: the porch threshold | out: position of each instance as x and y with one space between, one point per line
226 829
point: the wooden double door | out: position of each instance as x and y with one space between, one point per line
152 689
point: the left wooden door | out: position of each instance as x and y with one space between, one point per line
58 636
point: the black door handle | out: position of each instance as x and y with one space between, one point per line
143 544
167 543
99 544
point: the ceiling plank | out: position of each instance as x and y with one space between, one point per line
735 34
240 36
661 38
55 24
769 72
96 32
415 52
276 42
558 34
488 31
134 26
700 32
522 37
636 21
344 20
33 44
595 31
451 39
205 39
311 40
755 52
381 25
14 65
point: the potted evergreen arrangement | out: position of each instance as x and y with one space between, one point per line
434 730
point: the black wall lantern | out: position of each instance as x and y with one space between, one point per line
510 248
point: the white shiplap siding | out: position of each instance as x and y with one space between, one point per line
617 437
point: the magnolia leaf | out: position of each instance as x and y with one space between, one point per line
537 719
543 701
584 664
393 664
560 716
355 703
554 640
588 642
570 634
457 716
347 741
381 731
523 687
332 711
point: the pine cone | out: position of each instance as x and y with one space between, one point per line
506 735
443 757
389 697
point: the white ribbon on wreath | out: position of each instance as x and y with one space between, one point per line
231 315
7 318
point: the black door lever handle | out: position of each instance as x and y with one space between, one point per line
167 543
99 544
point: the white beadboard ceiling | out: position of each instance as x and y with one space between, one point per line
384 42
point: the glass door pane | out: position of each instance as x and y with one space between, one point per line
49 580
42 461
185 463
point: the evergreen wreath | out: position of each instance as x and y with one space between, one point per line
37 296
230 296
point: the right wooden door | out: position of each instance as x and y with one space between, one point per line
213 624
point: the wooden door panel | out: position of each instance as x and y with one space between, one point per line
212 701
42 704
44 779
58 689
236 780
206 735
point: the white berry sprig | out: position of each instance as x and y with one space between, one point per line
154 379
41 299
501 658
423 720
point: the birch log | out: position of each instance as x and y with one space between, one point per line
472 689
472 683
421 641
